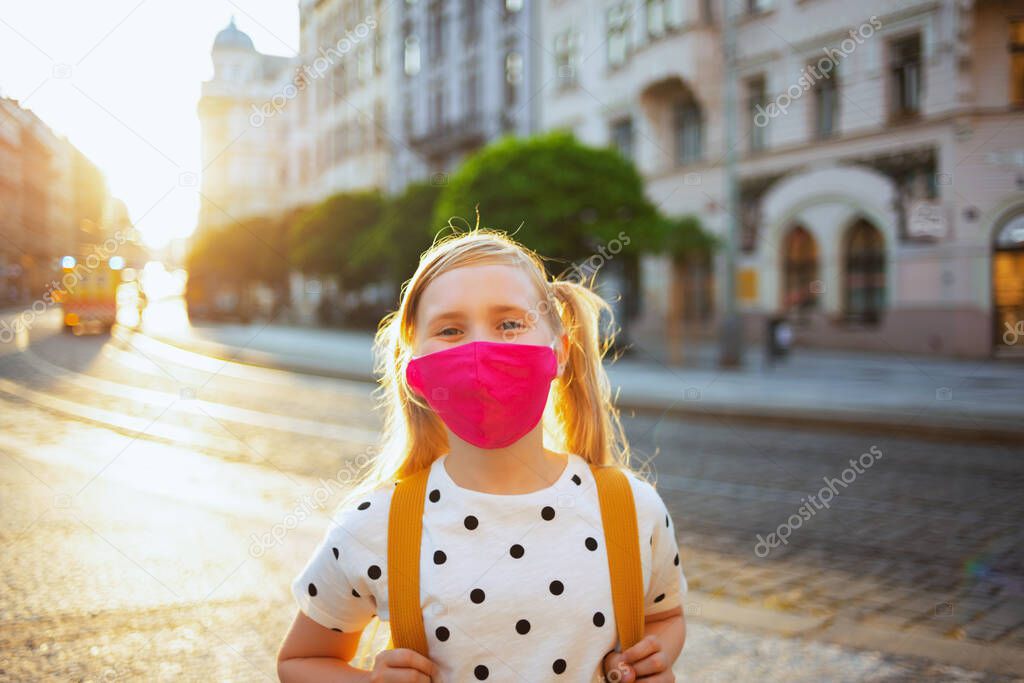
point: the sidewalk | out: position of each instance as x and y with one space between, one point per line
973 399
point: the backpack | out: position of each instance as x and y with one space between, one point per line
405 526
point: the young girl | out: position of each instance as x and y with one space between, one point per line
515 583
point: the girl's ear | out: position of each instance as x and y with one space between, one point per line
562 351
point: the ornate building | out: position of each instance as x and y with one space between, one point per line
881 157
462 74
245 131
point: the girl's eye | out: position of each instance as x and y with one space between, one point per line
516 324
453 329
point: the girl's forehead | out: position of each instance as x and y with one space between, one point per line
482 285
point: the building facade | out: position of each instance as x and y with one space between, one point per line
245 132
52 202
881 157
462 73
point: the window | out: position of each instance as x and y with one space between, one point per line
865 273
566 57
378 55
696 275
412 56
663 15
622 137
513 76
436 108
826 105
757 102
1017 63
618 34
472 95
364 64
1008 283
338 81
407 113
800 271
905 77
513 6
513 67
688 125
470 22
379 123
757 6
435 37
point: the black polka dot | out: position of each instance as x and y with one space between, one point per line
666 521
476 595
435 496
558 666
522 627
338 630
676 561
548 513
471 522
355 593
312 590
442 633
652 540
556 587
516 551
335 551
660 597
365 504
481 672
373 572
439 557
576 478
598 619
591 543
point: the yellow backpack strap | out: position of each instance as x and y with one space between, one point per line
622 541
405 531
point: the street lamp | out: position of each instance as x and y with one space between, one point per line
731 332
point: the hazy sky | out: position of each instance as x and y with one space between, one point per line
121 80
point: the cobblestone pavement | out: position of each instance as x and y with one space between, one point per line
927 538
135 480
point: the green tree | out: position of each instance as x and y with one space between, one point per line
323 239
404 232
555 194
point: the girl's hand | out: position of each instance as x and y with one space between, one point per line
644 662
402 665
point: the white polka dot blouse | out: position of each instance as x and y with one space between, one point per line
513 587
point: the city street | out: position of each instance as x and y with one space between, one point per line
140 482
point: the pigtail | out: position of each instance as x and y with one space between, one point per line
583 405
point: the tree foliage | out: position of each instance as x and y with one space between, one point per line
556 195
323 240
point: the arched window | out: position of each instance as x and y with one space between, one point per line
864 273
1008 283
688 130
800 271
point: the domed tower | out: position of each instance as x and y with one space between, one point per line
243 157
234 55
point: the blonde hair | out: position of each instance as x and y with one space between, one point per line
581 417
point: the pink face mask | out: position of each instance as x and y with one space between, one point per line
488 393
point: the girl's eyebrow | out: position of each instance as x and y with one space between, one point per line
497 308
